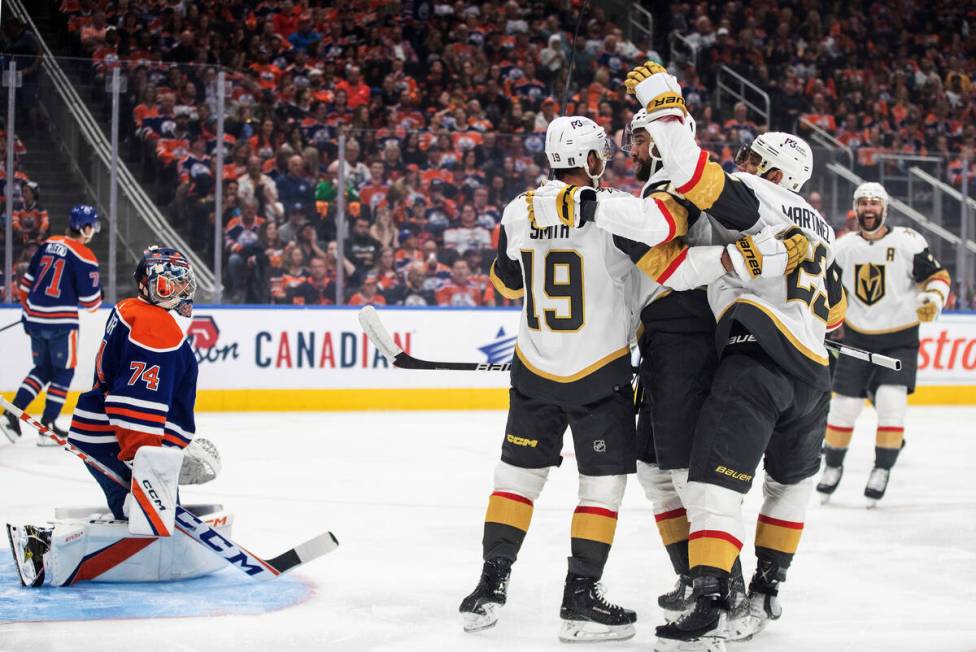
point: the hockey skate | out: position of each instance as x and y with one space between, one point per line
877 484
29 544
762 604
45 441
829 481
739 606
588 616
480 609
10 425
704 628
678 600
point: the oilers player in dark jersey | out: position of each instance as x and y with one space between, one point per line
61 278
137 420
145 381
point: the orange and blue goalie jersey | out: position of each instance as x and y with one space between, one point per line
62 276
144 388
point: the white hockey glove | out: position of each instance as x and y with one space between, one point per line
551 205
656 90
201 462
772 252
929 306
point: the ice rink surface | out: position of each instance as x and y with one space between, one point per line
406 492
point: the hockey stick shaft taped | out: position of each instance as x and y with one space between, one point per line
874 358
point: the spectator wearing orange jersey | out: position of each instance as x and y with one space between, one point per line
368 294
30 222
357 92
461 290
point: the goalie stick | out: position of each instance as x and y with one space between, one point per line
867 356
369 319
198 530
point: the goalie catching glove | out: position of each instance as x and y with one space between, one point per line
201 462
553 205
768 253
656 90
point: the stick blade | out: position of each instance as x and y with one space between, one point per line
303 553
370 322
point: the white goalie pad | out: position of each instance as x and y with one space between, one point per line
155 483
103 550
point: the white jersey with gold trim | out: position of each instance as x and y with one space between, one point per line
885 278
576 324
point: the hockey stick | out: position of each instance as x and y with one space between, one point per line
195 528
11 325
369 319
867 356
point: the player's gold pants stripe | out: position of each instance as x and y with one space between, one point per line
595 524
509 509
582 373
501 288
706 184
838 437
776 534
888 437
713 548
673 526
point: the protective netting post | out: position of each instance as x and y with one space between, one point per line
341 222
962 254
219 193
113 192
8 253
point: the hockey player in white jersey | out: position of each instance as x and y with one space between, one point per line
571 368
677 343
769 396
894 283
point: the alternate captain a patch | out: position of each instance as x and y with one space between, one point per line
869 282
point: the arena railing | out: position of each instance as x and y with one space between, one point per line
68 117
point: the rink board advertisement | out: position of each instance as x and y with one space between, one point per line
271 359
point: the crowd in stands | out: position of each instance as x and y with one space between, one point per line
30 223
443 113
443 116
893 78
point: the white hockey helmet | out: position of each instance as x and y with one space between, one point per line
871 190
570 139
640 121
785 152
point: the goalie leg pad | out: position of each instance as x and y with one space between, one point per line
155 485
103 550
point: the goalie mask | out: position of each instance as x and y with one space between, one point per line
776 150
569 141
165 279
644 169
868 210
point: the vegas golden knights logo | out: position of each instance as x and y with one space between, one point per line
869 283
